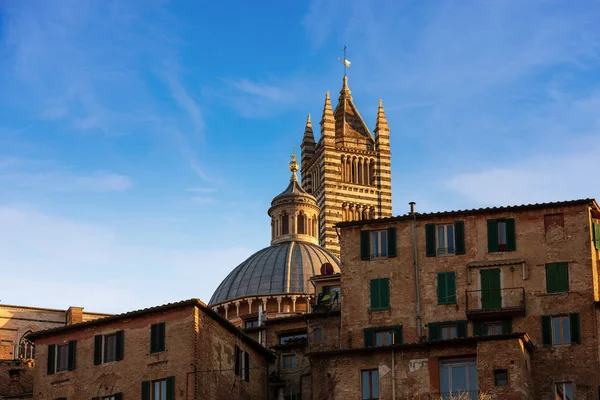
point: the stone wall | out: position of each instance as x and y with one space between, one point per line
16 379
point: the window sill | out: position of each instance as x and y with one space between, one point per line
447 304
555 293
157 352
380 309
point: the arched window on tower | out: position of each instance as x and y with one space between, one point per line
315 227
301 224
285 224
26 347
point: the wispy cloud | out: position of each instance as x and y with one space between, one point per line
202 190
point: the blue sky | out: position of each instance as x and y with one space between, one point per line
141 142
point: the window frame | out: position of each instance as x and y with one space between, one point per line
317 337
561 318
292 365
496 324
371 372
26 349
449 364
382 245
296 337
162 387
105 356
445 228
500 381
58 358
572 387
252 321
448 326
384 333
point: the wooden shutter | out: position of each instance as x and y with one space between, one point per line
550 278
120 344
398 338
161 336
246 366
478 328
430 240
146 390
459 237
369 334
97 349
574 325
507 326
391 242
375 296
72 357
511 235
170 388
562 277
434 331
546 330
384 290
597 236
51 358
365 245
154 338
492 231
461 329
451 287
441 287
236 355
118 396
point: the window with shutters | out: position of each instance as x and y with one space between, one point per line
369 382
159 390
492 328
62 357
449 331
383 337
157 337
561 331
108 348
446 287
380 294
563 391
289 361
557 278
501 235
445 240
379 244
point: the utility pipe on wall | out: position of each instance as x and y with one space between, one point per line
416 268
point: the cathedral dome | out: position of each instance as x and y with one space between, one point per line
283 268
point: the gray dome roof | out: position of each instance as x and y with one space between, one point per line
294 189
273 271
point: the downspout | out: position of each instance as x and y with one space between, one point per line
416 268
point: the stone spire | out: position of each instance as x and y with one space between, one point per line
382 130
349 125
307 147
328 123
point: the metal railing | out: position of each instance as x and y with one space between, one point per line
507 299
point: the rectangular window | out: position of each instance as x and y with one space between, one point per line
501 235
449 332
501 377
157 337
446 288
561 331
159 390
557 277
458 377
317 334
564 391
380 294
62 357
293 338
241 363
251 323
383 338
493 328
110 347
379 244
289 361
445 240
369 381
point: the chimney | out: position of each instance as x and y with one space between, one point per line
412 207
74 315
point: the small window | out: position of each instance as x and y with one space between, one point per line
561 331
449 331
502 235
317 334
379 244
62 357
383 337
251 323
564 391
293 338
501 377
493 328
369 381
110 347
445 239
289 361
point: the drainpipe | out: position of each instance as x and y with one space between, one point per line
393 366
416 268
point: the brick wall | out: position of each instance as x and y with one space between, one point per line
16 379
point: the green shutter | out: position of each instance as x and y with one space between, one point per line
161 336
492 231
507 326
562 275
118 396
550 278
170 388
441 287
154 338
51 358
574 325
597 236
369 337
478 328
459 237
365 245
398 339
236 355
384 290
430 240
97 349
72 356
451 287
375 296
391 242
546 330
511 235
461 329
247 367
434 331
146 390
120 344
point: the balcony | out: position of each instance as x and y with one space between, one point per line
492 303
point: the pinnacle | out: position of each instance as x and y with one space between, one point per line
345 93
381 118
308 121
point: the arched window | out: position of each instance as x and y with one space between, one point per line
26 347
285 224
301 224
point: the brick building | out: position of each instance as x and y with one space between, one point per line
175 351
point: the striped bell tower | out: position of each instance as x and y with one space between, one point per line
348 170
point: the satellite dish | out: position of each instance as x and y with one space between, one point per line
327 269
